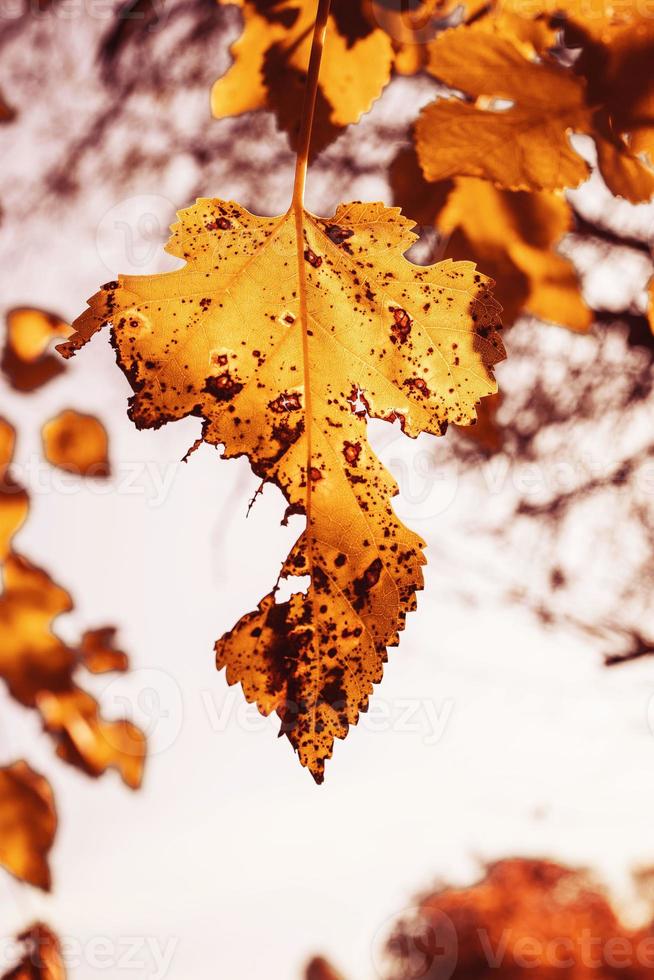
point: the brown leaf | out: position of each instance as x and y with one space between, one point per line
283 334
78 444
26 363
28 823
42 958
320 969
523 918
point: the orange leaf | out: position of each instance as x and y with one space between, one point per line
28 823
77 444
283 334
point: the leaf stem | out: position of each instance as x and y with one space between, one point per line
309 106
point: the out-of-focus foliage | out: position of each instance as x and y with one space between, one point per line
366 41
77 443
42 957
339 327
320 969
511 235
271 56
523 144
38 668
28 823
523 918
26 363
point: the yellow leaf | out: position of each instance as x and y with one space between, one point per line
513 235
271 57
283 334
28 823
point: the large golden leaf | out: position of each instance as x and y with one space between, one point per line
28 823
283 334
271 57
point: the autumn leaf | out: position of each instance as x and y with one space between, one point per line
77 443
516 129
14 502
38 668
42 956
320 969
512 235
523 147
98 651
28 823
283 334
26 362
271 57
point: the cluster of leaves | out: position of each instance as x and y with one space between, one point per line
524 917
489 166
491 160
39 669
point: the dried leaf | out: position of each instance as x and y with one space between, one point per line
42 958
283 345
77 444
271 58
26 363
28 823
